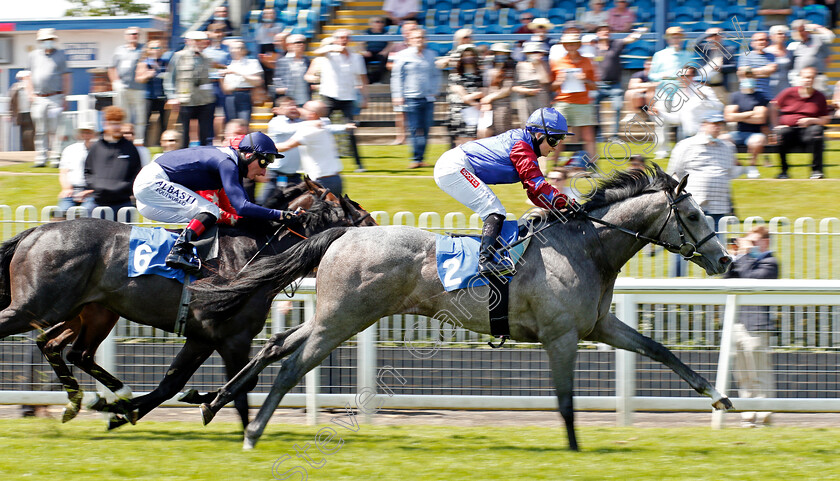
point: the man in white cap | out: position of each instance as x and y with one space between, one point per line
71 173
48 83
711 163
190 87
131 94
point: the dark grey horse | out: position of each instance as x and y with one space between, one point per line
51 273
560 294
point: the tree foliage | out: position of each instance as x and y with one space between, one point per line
101 8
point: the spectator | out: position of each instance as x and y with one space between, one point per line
290 70
520 5
343 83
189 87
719 65
533 78
265 31
376 53
637 162
557 51
779 80
283 172
399 115
711 165
811 49
71 170
399 11
218 55
220 15
525 18
695 102
664 70
19 107
278 51
760 64
150 69
620 18
502 77
240 79
127 130
264 34
47 84
775 12
540 27
169 140
799 115
318 152
640 91
597 16
608 67
749 108
111 165
466 88
461 37
753 327
131 94
414 85
574 77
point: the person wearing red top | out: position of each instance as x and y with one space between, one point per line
574 76
800 114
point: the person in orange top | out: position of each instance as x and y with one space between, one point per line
574 77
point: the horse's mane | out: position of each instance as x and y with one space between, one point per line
622 185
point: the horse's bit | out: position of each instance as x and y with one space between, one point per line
686 249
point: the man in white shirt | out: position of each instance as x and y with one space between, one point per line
283 172
71 173
343 82
318 152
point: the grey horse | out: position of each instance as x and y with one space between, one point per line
560 295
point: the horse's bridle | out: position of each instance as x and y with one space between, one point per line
686 249
354 223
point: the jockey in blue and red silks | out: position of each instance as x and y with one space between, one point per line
465 171
166 189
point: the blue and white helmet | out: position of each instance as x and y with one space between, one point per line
547 121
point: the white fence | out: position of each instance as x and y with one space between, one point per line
807 248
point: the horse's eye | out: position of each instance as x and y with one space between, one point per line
693 217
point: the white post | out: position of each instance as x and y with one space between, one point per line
313 377
726 353
366 366
625 363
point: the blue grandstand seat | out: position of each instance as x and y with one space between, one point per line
684 13
443 5
288 17
491 17
468 4
280 5
466 18
304 4
643 14
442 22
559 16
820 16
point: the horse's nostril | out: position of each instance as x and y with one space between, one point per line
725 260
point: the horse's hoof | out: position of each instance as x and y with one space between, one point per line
124 393
116 421
207 414
723 404
133 416
98 403
248 444
70 412
189 396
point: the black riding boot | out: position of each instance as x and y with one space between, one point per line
181 256
490 244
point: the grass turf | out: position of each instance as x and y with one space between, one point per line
45 449
389 186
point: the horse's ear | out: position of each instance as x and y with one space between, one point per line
309 184
681 185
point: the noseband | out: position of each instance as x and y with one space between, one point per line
686 249
354 223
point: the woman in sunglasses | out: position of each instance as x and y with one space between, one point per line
465 172
165 189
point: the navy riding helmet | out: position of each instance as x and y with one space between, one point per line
261 145
549 122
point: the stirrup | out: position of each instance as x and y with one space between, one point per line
190 264
504 267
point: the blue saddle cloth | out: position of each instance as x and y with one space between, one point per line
147 250
457 257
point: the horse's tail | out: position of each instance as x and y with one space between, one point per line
7 250
278 271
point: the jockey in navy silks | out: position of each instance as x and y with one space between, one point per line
165 189
465 171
